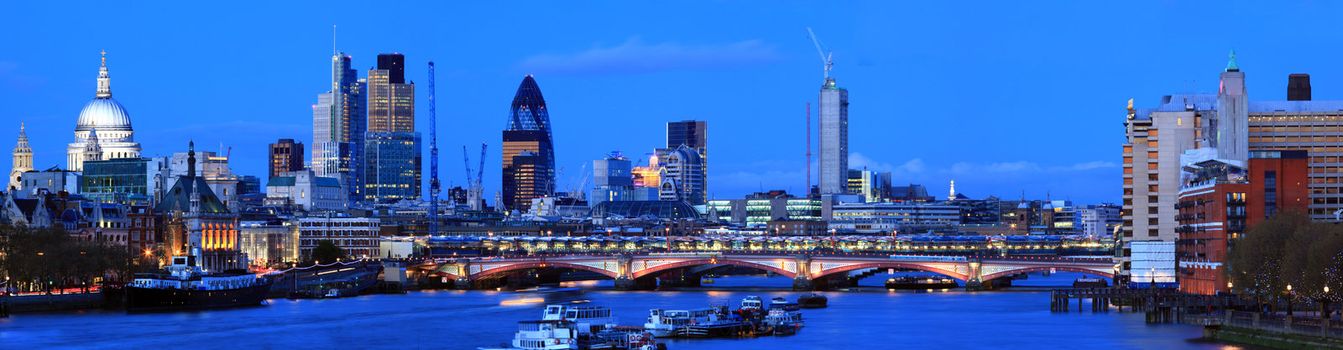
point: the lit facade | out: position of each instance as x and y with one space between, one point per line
528 151
886 218
286 155
269 243
22 161
124 180
392 166
1155 139
358 237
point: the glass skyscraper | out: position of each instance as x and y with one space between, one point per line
528 151
834 155
393 166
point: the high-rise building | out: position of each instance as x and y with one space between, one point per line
834 155
871 185
391 152
1232 122
392 166
391 101
681 175
285 156
23 160
339 122
1155 141
528 150
612 179
115 137
693 134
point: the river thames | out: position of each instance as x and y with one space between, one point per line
1015 318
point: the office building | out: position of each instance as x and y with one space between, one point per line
528 150
339 123
888 218
124 180
392 167
270 243
51 180
358 237
114 137
834 149
391 101
872 186
693 134
306 191
285 156
757 210
212 168
1155 139
681 175
612 179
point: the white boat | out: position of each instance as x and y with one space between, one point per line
544 335
587 319
664 323
752 303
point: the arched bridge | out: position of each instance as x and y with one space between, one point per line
634 270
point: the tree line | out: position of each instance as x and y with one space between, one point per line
48 259
1288 250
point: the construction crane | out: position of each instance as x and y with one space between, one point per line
434 187
474 189
827 58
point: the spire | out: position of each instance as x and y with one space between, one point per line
104 81
191 158
23 140
1231 62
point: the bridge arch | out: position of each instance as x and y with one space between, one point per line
539 265
890 265
696 262
992 276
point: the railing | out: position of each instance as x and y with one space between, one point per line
1307 326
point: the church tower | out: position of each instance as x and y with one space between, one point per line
92 150
23 159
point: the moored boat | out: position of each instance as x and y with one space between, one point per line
184 286
813 301
920 283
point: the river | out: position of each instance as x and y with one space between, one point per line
1015 318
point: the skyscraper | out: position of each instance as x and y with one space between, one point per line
834 155
285 156
528 152
392 155
339 123
693 134
681 174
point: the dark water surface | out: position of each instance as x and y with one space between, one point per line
1017 318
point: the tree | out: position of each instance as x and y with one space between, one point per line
1256 259
327 251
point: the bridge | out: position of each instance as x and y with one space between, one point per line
808 270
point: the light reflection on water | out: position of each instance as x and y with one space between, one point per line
1016 318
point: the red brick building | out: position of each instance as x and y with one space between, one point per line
1219 201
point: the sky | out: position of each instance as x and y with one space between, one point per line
1005 98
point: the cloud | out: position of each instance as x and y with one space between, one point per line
635 56
912 166
11 76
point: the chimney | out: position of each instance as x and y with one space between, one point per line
1298 87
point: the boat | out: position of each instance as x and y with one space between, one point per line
665 323
920 283
782 322
812 301
752 303
588 318
1086 282
185 286
782 303
544 335
719 325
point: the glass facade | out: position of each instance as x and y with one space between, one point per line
392 167
531 175
121 180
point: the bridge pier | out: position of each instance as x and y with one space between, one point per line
626 283
801 283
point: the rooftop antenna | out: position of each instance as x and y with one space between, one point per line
434 187
827 57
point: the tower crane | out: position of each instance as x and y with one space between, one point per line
434 187
827 58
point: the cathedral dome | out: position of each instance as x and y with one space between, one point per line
104 114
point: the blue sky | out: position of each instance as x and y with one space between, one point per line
1001 97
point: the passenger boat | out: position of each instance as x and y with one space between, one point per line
752 303
185 286
920 283
544 335
589 319
812 301
580 327
719 325
665 323
782 322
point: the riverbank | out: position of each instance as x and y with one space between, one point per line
1269 338
54 302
